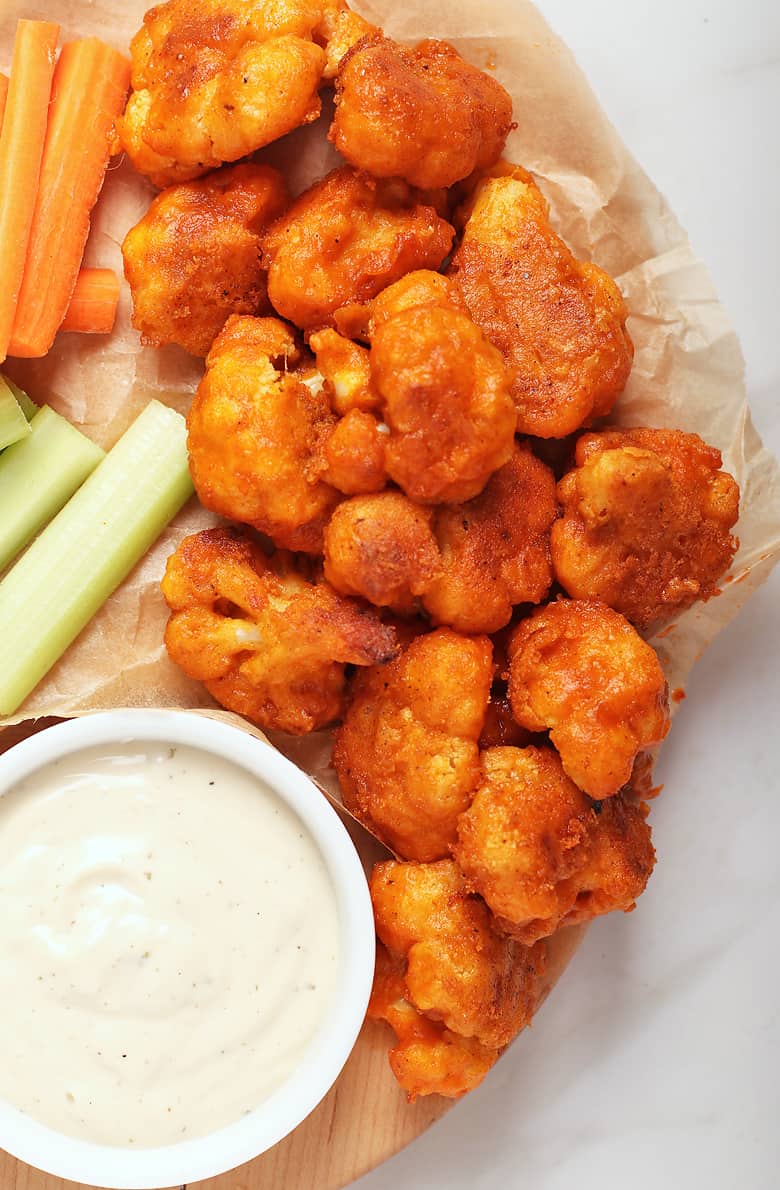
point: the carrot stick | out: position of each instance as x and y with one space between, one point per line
3 97
89 92
21 150
92 309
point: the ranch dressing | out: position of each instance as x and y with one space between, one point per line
169 942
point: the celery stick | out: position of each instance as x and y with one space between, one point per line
70 570
28 407
13 423
38 475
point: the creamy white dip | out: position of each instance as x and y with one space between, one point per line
169 943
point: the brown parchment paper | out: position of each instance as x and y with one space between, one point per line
688 370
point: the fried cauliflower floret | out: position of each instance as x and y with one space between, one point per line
620 862
381 548
214 80
194 258
495 549
580 669
354 453
255 433
428 1058
445 400
422 114
406 754
538 851
346 370
559 323
266 643
459 973
340 28
646 520
346 238
419 288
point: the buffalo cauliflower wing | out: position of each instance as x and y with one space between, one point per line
580 669
265 642
427 1058
495 549
406 754
354 454
413 291
646 520
445 399
559 323
381 547
447 964
345 368
619 864
422 114
214 80
348 236
255 435
536 848
194 258
354 450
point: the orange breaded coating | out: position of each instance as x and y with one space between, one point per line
495 549
194 258
619 864
445 400
428 1058
559 323
580 669
535 847
422 114
265 642
419 288
214 80
646 520
346 370
381 548
406 754
339 29
344 240
354 453
459 972
255 432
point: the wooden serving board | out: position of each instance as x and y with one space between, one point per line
362 1121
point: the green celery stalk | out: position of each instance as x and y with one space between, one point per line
38 475
13 423
28 407
81 557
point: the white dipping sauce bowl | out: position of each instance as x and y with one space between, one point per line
294 1099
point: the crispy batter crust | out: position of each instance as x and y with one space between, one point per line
255 432
349 236
559 323
581 670
422 114
266 643
495 549
540 853
214 80
381 548
646 522
454 990
406 754
194 258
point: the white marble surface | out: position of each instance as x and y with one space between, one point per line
655 1061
